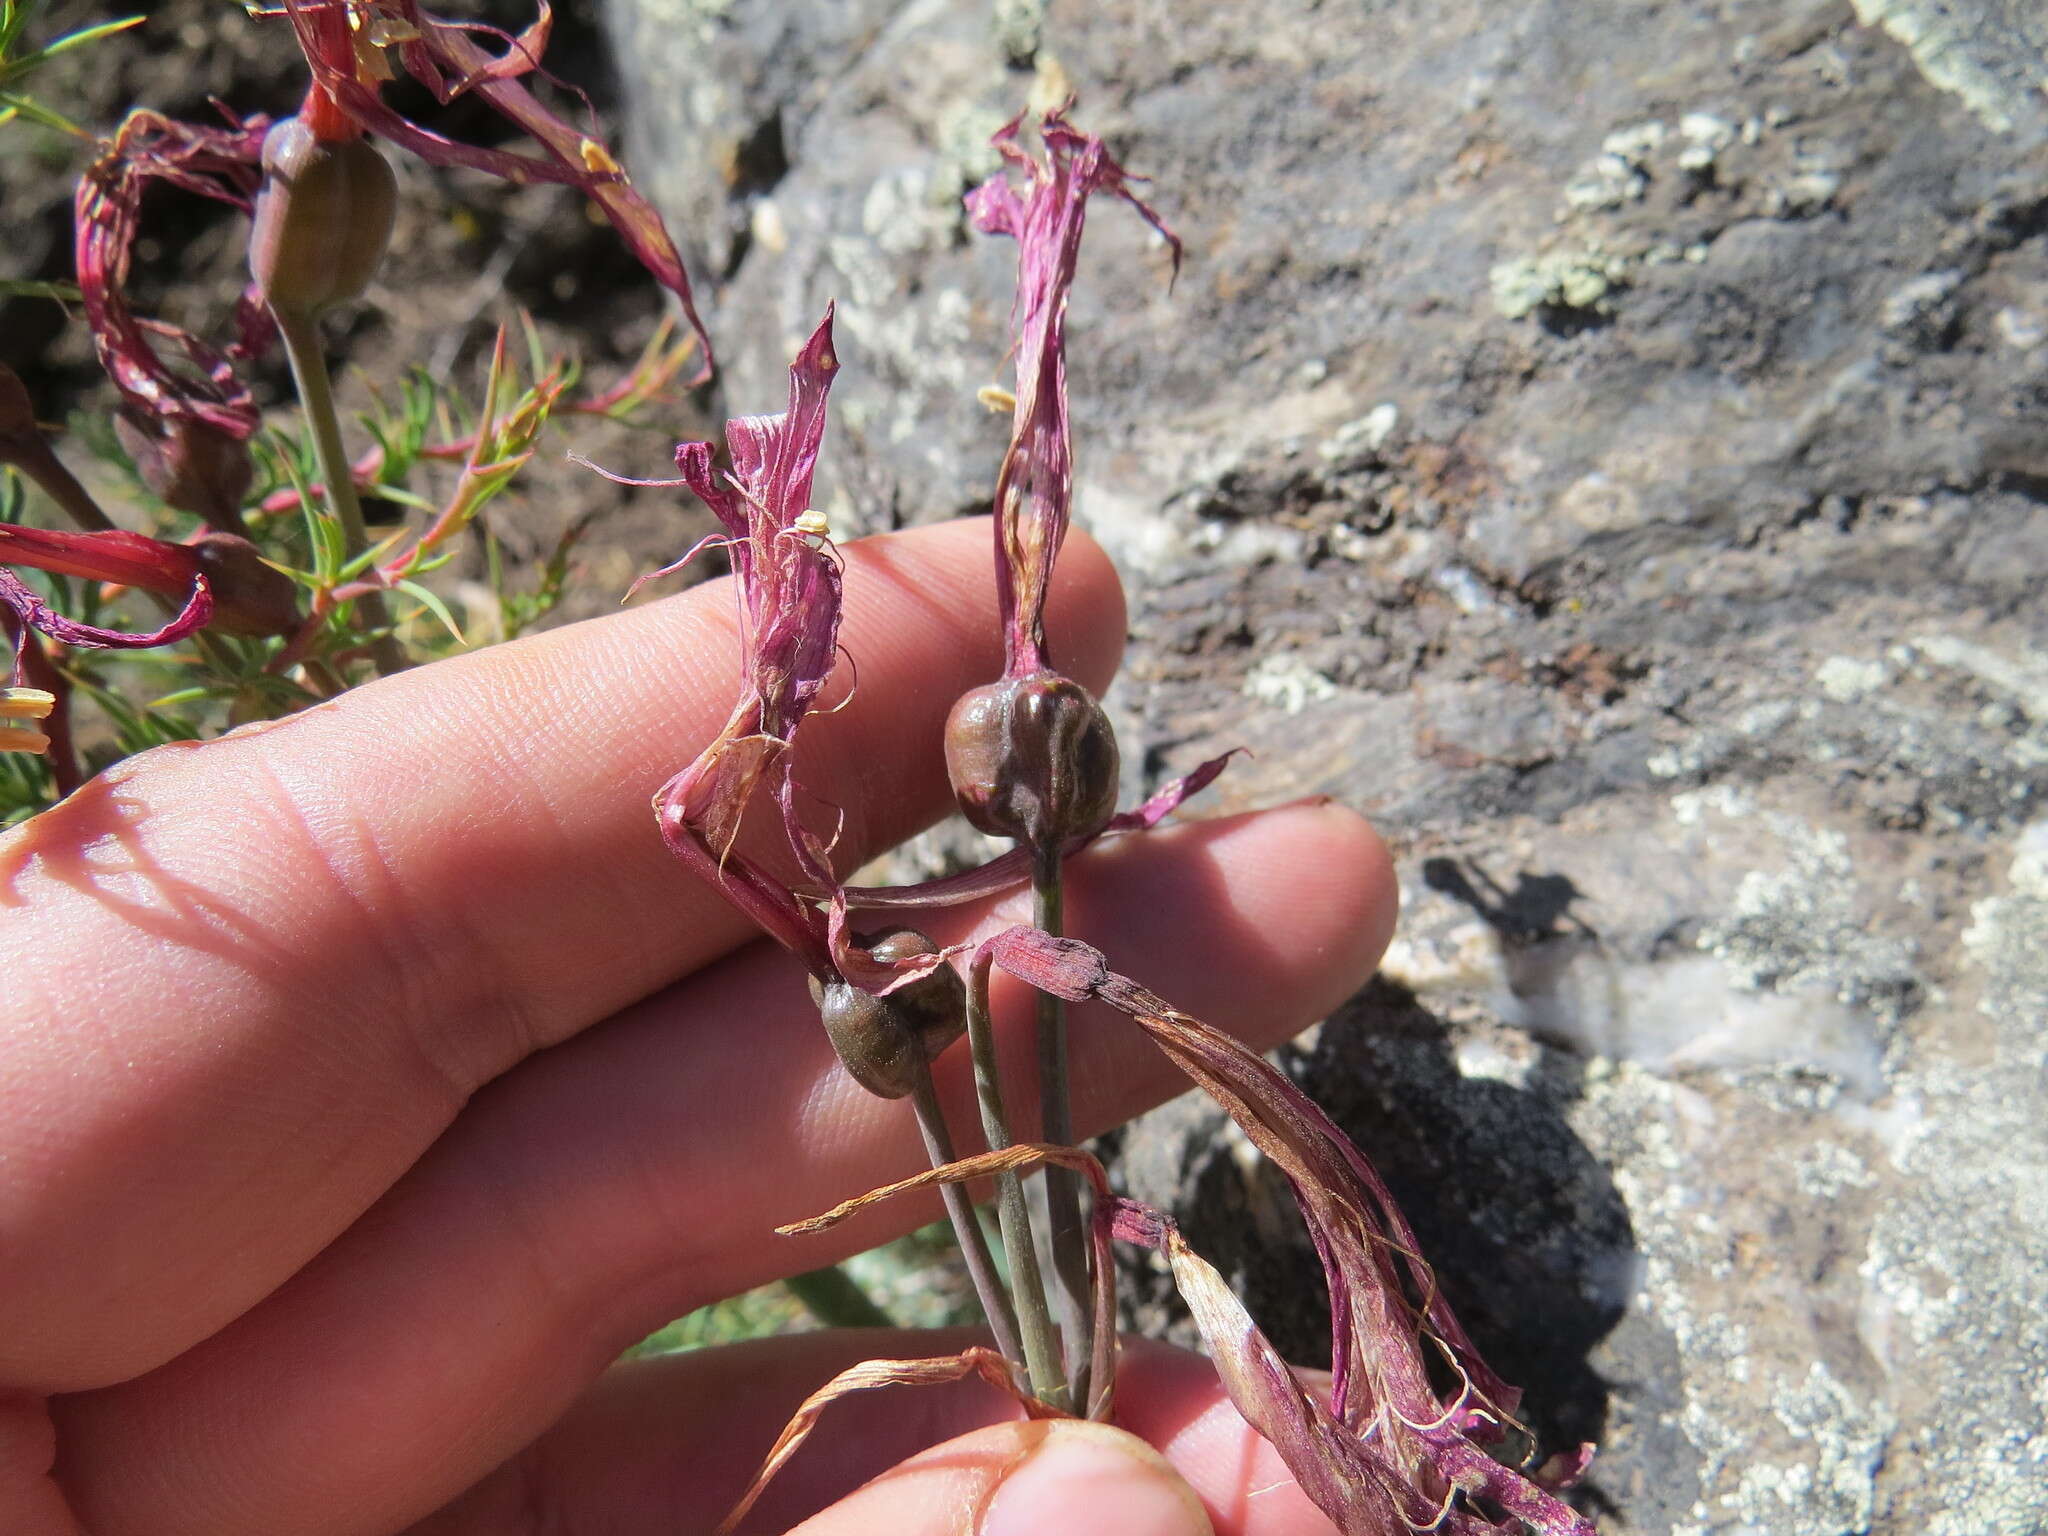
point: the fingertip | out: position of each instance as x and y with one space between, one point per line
1023 1479
1324 863
1301 899
1085 1478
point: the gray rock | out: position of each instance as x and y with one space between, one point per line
1608 444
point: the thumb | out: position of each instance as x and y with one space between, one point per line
1024 1479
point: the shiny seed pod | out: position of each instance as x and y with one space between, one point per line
250 595
323 218
887 1042
1032 758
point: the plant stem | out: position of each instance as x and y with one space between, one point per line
831 1296
1062 1186
1041 1343
38 460
301 333
981 1265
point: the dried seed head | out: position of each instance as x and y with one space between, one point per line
887 1042
323 218
1032 758
250 595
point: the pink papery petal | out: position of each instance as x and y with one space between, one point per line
1034 487
985 1363
218 163
789 587
443 56
37 614
1405 1448
789 590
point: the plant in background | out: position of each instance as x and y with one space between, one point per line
273 592
16 65
1033 757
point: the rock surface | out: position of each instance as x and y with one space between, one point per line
1609 445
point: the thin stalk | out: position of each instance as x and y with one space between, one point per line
831 1296
1062 1186
38 460
301 333
1041 1342
981 1264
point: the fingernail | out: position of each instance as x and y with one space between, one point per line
1093 1480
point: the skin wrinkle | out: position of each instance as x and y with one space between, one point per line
514 1233
387 920
345 1305
213 891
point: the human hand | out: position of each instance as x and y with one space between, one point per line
372 1078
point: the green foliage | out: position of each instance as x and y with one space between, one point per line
915 1279
16 65
441 457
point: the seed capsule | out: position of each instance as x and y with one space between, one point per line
192 465
323 218
886 1042
1032 758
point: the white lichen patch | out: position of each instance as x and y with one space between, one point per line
2021 679
1581 279
1802 925
1829 1170
1619 174
1846 679
1288 684
1356 442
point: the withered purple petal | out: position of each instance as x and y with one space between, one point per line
218 163
1034 487
39 615
1387 1425
444 58
788 590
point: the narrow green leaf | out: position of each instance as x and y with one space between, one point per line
433 604
25 288
13 105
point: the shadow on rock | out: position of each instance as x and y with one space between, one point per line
1527 1235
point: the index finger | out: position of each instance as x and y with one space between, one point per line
249 982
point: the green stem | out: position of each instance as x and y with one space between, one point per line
974 1249
1034 1320
301 333
1062 1186
831 1296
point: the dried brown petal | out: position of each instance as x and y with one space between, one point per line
985 1363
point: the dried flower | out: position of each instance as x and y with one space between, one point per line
348 44
242 594
787 581
1034 488
1387 1453
1033 756
218 163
